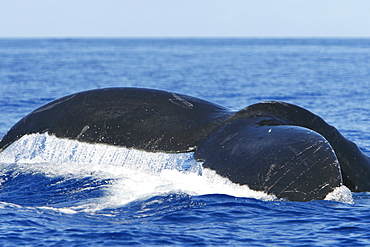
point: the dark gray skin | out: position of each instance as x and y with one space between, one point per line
274 147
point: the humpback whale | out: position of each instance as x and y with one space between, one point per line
275 147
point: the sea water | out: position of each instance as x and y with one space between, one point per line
115 196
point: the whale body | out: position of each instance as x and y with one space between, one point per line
275 147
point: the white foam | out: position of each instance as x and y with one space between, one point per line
340 194
138 185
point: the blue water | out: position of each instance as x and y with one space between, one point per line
102 204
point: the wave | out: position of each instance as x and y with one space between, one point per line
45 171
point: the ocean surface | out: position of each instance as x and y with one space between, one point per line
150 200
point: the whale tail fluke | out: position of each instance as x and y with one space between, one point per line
275 147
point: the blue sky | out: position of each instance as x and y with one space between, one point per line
184 18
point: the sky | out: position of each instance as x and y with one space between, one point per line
184 18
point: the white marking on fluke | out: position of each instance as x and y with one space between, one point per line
181 102
84 129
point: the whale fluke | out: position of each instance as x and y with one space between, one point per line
275 147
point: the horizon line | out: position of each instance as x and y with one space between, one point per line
185 37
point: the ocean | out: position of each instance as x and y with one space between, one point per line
110 203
